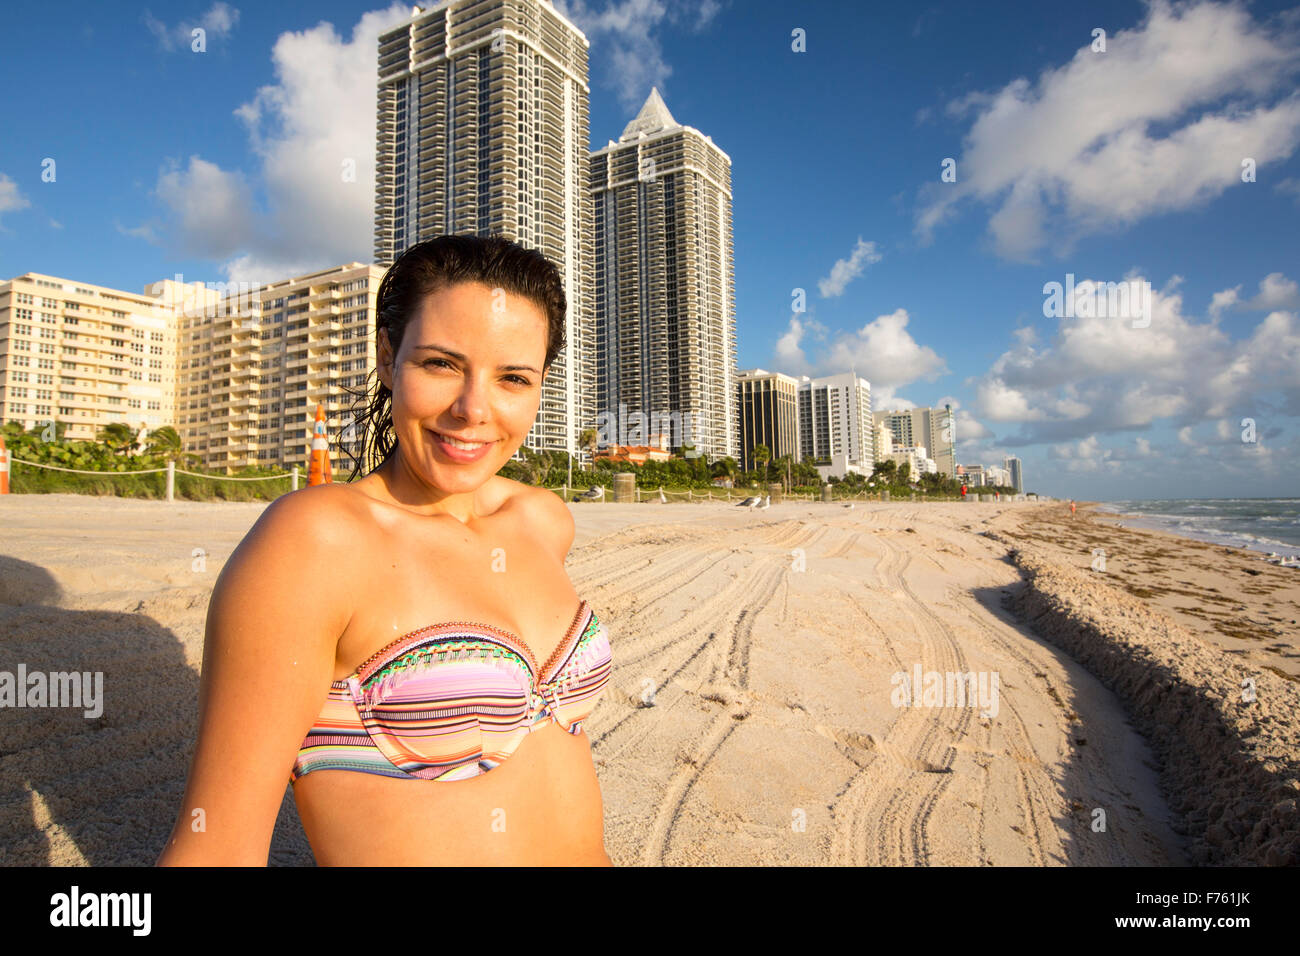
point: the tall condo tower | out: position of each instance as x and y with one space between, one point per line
483 128
665 315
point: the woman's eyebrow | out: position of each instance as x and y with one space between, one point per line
457 355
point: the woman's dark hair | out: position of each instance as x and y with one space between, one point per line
428 267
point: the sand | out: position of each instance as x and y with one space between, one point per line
753 714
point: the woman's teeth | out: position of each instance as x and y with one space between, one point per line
461 444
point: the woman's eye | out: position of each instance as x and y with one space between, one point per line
443 363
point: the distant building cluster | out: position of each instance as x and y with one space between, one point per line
829 422
1009 475
482 126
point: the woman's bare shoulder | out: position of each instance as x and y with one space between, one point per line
544 511
319 514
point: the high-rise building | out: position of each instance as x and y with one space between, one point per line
835 420
86 355
483 129
665 324
253 371
769 414
934 428
1015 469
884 441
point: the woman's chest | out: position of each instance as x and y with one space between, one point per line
500 573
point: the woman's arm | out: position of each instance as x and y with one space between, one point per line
277 611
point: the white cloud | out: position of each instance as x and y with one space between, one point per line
1289 187
307 129
1084 456
967 428
1100 374
1276 291
218 22
626 31
11 199
143 231
213 209
1073 153
882 352
788 351
1224 300
846 270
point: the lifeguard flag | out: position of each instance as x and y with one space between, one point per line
319 473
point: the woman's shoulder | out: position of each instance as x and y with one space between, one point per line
317 514
544 510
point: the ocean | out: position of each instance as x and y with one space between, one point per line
1260 524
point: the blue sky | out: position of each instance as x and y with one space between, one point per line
1114 165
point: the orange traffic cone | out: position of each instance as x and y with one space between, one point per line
4 467
319 473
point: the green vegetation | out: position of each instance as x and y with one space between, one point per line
114 450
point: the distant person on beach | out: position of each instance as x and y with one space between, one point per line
1072 507
407 650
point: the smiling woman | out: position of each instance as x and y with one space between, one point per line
428 705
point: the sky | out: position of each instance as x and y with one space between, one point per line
908 181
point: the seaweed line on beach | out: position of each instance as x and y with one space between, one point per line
1227 764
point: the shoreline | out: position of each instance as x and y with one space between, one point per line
1147 522
1219 709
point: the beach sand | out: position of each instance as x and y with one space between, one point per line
752 716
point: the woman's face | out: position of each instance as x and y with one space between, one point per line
469 367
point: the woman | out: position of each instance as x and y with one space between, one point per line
407 649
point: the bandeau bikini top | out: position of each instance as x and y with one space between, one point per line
451 701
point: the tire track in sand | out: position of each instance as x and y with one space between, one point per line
897 796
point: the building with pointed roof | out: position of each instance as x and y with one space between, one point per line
664 282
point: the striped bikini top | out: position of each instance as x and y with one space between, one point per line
451 701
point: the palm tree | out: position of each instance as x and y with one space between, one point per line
536 465
166 443
762 455
117 437
885 471
587 439
725 468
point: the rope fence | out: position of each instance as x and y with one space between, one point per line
171 470
642 495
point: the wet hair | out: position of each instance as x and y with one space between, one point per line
424 269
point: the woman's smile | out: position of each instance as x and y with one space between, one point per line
457 451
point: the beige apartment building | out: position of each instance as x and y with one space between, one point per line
236 370
86 355
253 368
483 128
665 315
